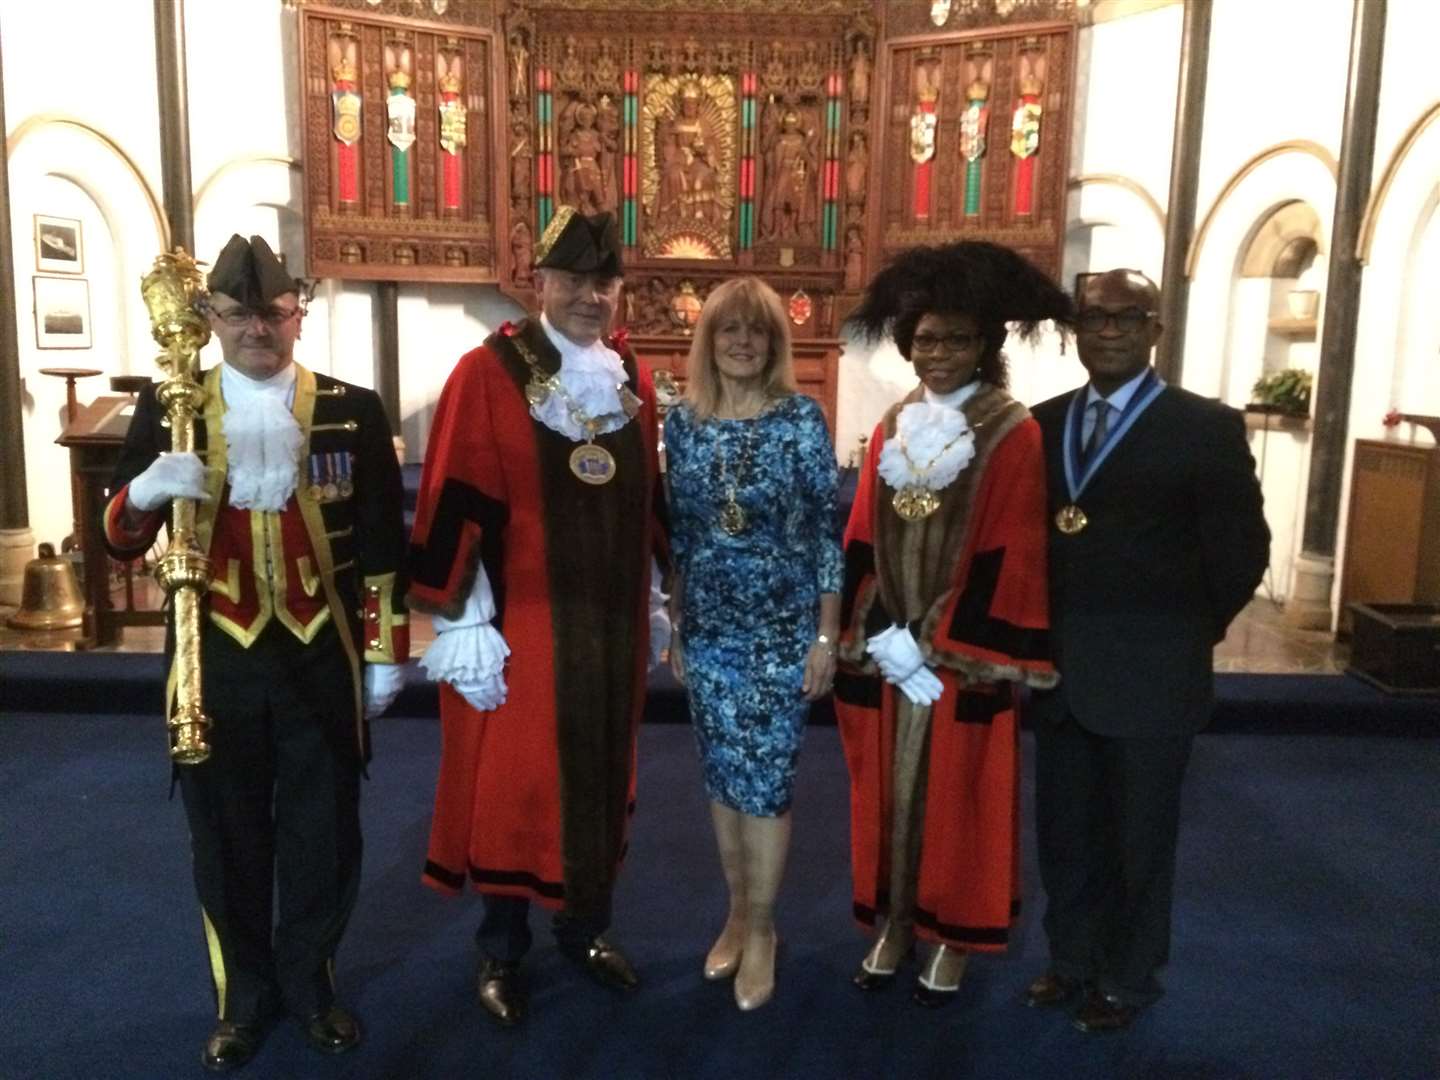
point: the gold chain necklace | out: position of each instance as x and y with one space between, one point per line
590 463
733 520
916 501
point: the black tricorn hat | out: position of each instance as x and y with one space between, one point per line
580 243
987 281
249 272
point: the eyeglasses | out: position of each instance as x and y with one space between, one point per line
1128 321
239 316
950 343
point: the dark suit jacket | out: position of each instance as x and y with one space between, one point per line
1175 545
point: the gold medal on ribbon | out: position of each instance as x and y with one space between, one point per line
332 490
915 503
732 517
317 492
1070 519
592 464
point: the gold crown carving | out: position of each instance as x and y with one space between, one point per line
399 79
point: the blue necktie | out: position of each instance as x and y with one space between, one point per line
1097 433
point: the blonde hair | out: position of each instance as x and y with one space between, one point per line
753 300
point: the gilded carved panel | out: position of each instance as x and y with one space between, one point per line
399 147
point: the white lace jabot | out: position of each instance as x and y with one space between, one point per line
262 437
592 376
932 444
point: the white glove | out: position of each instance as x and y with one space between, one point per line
383 683
923 687
659 616
896 653
468 652
169 476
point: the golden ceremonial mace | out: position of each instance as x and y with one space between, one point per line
171 291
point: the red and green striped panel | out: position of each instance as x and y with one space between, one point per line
544 152
830 218
630 181
748 83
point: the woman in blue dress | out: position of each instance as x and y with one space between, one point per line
755 602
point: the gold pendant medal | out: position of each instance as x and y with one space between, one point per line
1070 519
915 503
592 464
732 517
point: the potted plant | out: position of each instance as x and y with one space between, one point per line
1285 392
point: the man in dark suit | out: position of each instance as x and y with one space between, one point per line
1157 541
303 636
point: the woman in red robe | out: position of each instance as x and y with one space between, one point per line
944 614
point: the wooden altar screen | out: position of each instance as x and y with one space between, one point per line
803 141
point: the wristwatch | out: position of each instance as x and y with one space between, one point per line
824 639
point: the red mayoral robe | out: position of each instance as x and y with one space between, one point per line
533 798
969 581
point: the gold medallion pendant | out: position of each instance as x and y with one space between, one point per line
1070 519
592 464
732 518
915 503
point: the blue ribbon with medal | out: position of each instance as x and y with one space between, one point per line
1070 519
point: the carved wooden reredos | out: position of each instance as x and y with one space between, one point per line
801 140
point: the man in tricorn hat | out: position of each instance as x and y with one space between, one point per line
300 514
533 549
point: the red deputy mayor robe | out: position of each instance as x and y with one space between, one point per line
970 582
533 797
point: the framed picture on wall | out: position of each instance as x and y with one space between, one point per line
59 247
62 313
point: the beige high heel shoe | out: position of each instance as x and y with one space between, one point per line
752 994
723 959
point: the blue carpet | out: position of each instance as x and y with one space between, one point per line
1306 937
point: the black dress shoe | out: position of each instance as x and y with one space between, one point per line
1049 990
333 1031
932 998
605 964
870 981
500 991
231 1045
1100 1013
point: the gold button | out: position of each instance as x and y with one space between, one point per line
374 643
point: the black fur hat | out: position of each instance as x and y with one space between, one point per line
991 283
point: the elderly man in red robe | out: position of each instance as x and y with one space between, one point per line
533 548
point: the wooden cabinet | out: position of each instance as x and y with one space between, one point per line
1392 546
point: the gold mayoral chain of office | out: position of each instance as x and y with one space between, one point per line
591 464
733 520
918 498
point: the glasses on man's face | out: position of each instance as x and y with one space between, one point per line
1128 321
238 317
950 343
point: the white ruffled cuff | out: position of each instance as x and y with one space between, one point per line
479 606
465 655
659 615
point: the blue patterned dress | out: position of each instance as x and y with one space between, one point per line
751 601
